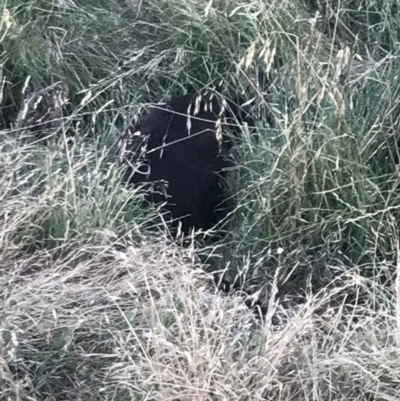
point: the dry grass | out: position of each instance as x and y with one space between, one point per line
142 322
105 316
96 301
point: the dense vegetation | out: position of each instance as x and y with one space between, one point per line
97 301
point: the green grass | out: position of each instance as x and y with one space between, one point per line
97 302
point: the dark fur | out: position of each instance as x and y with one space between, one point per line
183 168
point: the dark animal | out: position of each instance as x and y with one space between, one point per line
178 152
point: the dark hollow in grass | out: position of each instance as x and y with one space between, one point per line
178 153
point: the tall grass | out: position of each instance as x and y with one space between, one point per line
96 301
